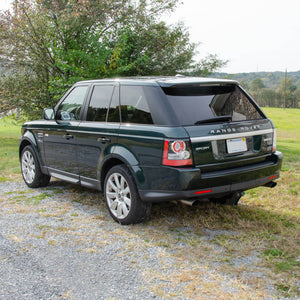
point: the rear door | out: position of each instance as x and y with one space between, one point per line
98 134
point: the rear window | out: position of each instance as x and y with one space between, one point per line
199 104
134 106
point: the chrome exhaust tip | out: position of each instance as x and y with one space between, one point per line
188 202
270 184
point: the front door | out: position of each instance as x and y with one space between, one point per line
60 137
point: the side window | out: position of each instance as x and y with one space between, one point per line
114 112
134 107
70 108
99 103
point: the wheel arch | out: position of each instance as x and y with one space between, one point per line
116 159
28 139
107 165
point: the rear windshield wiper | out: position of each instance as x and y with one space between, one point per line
215 120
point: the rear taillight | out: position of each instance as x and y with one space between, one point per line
177 153
274 141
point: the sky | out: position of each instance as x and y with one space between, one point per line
256 35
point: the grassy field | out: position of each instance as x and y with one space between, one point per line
287 122
266 223
9 140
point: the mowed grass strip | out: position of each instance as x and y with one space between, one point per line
287 123
10 130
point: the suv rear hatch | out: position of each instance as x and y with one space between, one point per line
225 125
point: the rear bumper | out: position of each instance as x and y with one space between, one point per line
177 184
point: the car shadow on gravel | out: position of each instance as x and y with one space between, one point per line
172 213
202 214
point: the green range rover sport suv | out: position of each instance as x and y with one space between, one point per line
145 140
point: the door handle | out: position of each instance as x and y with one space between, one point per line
104 140
68 136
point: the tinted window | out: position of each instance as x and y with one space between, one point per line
134 107
114 112
99 103
70 108
193 104
235 104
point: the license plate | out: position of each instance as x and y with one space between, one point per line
236 145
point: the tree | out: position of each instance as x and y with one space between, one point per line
287 89
256 86
268 97
244 84
50 44
297 97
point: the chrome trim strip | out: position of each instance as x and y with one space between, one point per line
93 132
141 137
229 136
116 134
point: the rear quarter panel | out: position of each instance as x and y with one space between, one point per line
142 147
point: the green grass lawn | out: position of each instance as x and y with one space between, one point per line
287 122
10 130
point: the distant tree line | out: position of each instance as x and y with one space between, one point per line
286 95
47 45
270 88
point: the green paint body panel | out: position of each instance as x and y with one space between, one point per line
82 151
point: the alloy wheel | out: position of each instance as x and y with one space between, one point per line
118 195
28 167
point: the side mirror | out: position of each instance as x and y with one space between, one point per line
48 114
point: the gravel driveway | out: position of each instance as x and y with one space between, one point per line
59 242
51 247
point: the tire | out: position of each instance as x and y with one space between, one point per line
231 199
31 170
122 198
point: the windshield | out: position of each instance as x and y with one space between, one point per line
198 104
